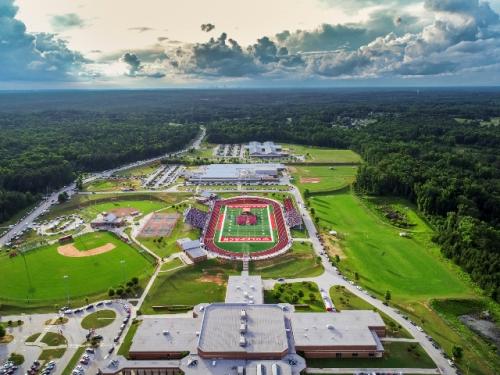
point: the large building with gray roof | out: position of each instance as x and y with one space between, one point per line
265 150
235 173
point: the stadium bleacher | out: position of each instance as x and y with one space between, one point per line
292 217
196 218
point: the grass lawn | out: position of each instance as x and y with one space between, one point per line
127 341
397 355
174 263
112 185
304 296
143 170
37 278
322 178
345 300
33 337
187 286
299 261
413 269
74 360
409 267
49 354
54 339
323 155
99 319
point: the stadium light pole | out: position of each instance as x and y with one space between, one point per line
122 262
66 278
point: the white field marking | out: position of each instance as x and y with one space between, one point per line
270 226
223 221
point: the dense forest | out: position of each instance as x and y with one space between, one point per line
410 140
43 151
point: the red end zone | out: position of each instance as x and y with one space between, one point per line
246 239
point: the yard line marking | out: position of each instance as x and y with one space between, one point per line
270 225
223 220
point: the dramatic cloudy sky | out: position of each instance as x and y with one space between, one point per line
240 43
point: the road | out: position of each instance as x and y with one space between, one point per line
330 278
45 204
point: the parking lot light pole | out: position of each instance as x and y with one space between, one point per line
66 278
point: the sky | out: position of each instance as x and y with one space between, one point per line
238 43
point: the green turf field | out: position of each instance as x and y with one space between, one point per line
230 229
39 274
323 155
326 178
408 267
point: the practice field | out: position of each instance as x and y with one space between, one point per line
320 179
323 155
39 275
408 267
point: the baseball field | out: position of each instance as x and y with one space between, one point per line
96 262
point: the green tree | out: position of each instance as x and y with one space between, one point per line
62 197
387 295
457 352
2 331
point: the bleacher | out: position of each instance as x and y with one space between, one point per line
292 217
196 218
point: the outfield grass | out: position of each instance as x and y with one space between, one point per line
38 276
408 267
329 178
304 296
99 319
397 355
299 261
323 155
189 286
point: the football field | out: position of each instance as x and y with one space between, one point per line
246 237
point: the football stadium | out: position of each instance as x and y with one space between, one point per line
251 227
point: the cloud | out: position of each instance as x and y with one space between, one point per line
33 56
136 69
66 21
141 29
207 27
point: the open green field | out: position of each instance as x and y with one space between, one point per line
38 276
323 155
299 261
409 267
112 185
231 231
413 269
397 355
181 289
99 319
322 178
170 265
304 296
143 170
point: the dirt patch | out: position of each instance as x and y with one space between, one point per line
332 246
123 211
71 251
310 180
217 279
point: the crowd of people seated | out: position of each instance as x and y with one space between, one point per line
293 218
196 218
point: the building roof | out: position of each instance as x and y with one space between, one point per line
187 243
346 328
262 329
166 335
245 289
235 171
264 149
196 252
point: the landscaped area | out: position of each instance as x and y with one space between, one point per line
299 261
183 288
304 296
99 319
